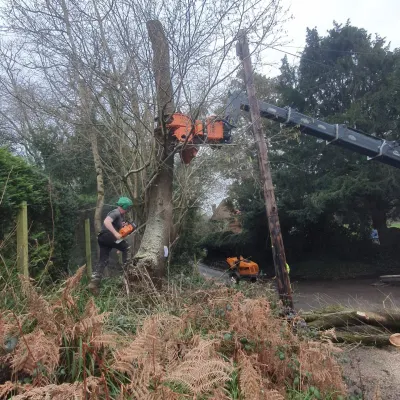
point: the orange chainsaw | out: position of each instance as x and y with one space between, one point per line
126 230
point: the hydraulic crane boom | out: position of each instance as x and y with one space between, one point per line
218 130
385 151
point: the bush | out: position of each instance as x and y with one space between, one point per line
52 211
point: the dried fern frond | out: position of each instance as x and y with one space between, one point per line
140 391
163 393
39 307
153 353
165 325
91 322
94 387
151 343
6 388
250 318
201 370
249 378
315 358
71 284
200 377
220 394
66 391
272 395
143 377
103 340
143 348
36 350
202 350
141 360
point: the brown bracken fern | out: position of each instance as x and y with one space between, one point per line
250 379
201 369
36 349
214 335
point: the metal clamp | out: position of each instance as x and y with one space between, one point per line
384 143
336 135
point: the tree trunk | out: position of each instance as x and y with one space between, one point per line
100 181
88 116
88 123
159 216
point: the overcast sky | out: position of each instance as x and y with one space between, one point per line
376 16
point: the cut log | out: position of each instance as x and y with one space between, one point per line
390 278
378 340
347 318
315 315
334 320
385 319
366 330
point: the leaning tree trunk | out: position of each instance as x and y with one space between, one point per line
159 216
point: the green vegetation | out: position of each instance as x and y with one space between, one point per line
52 215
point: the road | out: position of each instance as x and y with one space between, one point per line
356 293
213 273
359 294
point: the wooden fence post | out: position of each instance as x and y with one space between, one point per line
88 248
22 240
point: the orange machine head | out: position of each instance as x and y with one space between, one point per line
245 267
180 125
215 130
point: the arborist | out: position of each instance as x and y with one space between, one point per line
109 238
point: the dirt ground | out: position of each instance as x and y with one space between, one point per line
372 373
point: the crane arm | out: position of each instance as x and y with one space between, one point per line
385 151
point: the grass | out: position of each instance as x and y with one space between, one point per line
313 393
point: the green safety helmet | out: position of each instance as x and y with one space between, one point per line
125 203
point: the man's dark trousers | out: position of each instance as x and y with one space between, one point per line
106 242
